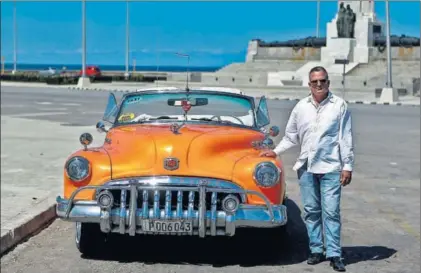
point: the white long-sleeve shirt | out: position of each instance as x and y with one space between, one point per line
324 133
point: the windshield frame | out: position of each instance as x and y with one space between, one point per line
204 92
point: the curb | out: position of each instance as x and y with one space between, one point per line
351 101
269 97
20 233
99 89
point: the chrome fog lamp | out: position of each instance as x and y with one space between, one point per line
230 203
86 139
266 174
105 199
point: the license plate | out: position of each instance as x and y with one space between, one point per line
167 226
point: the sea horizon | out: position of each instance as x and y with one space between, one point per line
107 67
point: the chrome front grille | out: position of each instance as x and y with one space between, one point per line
125 205
169 200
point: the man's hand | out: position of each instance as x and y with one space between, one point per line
346 177
268 153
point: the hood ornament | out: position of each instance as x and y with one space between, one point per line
175 128
171 163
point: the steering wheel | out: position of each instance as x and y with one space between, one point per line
219 119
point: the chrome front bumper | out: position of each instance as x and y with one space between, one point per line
128 218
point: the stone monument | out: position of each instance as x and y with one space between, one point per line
351 33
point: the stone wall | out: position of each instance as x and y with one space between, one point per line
398 53
287 53
314 54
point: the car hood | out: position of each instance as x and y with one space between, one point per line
202 150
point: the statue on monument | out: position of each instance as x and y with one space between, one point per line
345 23
350 19
340 21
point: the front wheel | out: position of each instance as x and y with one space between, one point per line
90 240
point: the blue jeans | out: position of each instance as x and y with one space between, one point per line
321 196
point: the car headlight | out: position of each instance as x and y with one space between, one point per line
266 174
77 168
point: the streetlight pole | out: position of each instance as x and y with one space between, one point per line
15 34
318 19
188 64
83 39
389 94
388 48
127 40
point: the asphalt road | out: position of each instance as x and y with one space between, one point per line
380 208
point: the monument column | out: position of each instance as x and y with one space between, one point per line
367 7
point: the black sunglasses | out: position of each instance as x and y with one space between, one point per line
322 81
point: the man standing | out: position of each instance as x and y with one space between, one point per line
321 124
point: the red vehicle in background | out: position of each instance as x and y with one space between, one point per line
91 71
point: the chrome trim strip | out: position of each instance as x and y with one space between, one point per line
175 181
202 210
156 204
191 204
123 211
179 204
145 203
133 209
167 204
213 213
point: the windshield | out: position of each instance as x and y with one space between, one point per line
199 107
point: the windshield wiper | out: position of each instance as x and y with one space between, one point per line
163 117
204 119
212 120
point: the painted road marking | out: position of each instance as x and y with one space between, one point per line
13 171
52 109
70 104
93 112
38 114
13 106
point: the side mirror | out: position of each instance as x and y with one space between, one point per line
100 126
268 143
274 131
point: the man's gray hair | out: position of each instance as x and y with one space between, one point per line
318 69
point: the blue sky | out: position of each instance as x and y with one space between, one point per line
213 33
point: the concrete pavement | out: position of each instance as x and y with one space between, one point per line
41 126
32 159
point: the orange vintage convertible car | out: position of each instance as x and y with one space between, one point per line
175 162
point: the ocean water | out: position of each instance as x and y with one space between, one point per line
9 66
